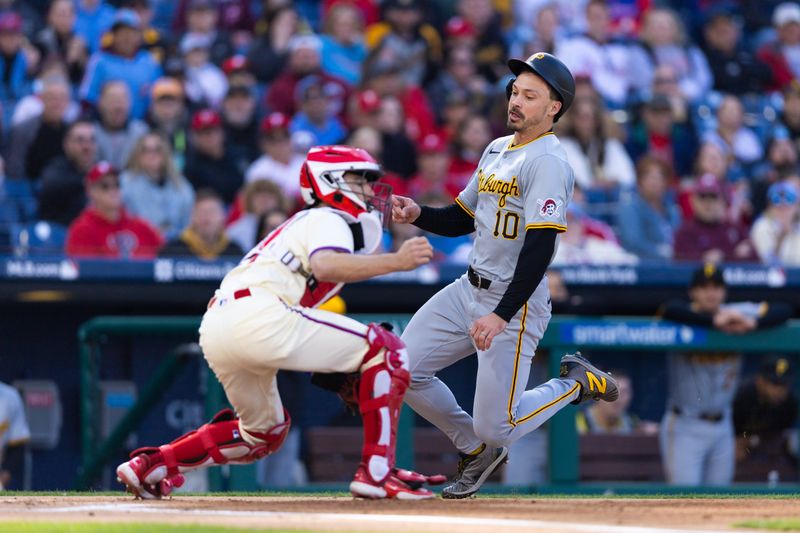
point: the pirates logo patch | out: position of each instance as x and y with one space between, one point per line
549 207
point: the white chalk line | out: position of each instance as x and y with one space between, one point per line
377 518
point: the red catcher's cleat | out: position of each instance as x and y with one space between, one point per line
132 473
392 487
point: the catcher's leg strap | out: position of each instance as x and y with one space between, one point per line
218 442
384 380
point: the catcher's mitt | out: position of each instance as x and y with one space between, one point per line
344 385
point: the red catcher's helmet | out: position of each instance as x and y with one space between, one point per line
322 181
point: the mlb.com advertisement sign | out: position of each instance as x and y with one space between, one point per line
631 334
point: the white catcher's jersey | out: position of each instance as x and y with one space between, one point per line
512 190
281 261
13 425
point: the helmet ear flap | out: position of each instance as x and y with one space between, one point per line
510 88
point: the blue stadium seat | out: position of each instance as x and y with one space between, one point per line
38 238
22 194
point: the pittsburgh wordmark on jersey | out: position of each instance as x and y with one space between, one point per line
490 184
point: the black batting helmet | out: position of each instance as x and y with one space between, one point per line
552 71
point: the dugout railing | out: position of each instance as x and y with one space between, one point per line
564 334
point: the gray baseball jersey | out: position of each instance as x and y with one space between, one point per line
513 188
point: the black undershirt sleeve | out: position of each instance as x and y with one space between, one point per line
450 221
532 263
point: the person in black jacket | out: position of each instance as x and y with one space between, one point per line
735 69
209 165
61 193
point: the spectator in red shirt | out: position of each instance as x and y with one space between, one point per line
708 236
779 55
104 229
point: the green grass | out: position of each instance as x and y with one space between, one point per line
788 524
77 527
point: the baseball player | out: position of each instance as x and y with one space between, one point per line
263 318
14 433
696 435
516 202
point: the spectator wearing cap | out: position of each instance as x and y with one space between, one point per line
278 162
61 195
59 41
168 117
17 61
237 70
460 33
203 17
315 114
204 82
776 233
433 169
662 40
117 132
304 60
490 50
152 39
104 228
599 55
205 237
269 53
647 216
764 415
598 160
260 198
343 43
93 18
362 109
781 55
708 235
35 142
459 75
405 38
697 434
657 134
734 68
154 190
241 124
208 165
125 61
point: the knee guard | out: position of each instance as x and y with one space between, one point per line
218 442
384 380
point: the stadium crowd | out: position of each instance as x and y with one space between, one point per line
133 128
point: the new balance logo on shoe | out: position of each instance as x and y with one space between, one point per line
594 383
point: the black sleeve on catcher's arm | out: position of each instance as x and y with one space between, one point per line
532 263
450 221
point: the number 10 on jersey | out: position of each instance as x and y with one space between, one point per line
506 223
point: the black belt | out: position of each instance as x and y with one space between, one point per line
477 280
708 417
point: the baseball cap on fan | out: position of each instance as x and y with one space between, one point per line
99 171
786 13
432 143
776 369
707 184
10 22
205 119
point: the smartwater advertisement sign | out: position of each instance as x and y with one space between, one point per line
631 334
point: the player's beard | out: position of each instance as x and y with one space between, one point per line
523 122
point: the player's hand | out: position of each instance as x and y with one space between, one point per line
414 252
404 210
485 329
